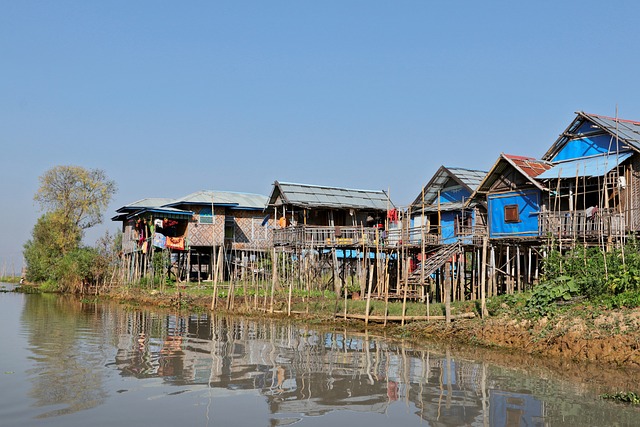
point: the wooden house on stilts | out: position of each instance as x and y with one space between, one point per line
593 188
333 230
442 223
512 199
192 232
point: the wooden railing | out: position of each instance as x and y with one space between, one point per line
578 224
324 236
357 236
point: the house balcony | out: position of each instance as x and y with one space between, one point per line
323 236
308 235
582 224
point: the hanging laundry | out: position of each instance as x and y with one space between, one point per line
159 240
392 215
145 246
169 223
176 243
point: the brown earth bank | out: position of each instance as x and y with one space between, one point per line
610 338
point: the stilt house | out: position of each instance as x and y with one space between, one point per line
441 207
512 196
192 229
593 188
322 216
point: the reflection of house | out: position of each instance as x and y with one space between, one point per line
441 206
515 409
192 228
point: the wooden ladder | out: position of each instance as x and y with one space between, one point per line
434 262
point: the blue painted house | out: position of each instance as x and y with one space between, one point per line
442 206
512 196
593 185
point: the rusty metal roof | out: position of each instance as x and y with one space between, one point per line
528 165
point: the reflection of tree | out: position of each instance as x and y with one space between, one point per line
69 356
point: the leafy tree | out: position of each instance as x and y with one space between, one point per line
81 195
74 199
51 238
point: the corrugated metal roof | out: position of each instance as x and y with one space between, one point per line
587 167
163 211
472 178
626 131
467 177
316 196
149 202
227 198
528 165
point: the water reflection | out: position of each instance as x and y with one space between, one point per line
298 371
64 343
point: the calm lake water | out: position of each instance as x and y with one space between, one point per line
68 363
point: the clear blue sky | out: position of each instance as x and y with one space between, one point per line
173 97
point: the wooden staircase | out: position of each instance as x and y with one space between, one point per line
434 262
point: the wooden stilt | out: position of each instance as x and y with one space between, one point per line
366 314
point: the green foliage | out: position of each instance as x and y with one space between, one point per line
623 396
610 278
544 295
80 195
507 303
52 238
629 299
74 199
76 269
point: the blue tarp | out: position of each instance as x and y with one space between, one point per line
587 167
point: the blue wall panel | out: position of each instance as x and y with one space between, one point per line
584 147
447 221
454 194
528 203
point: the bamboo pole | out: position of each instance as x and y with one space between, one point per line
216 271
289 298
406 287
517 266
447 292
483 284
274 276
366 320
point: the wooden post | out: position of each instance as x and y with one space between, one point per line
215 278
518 272
529 269
274 276
289 298
508 271
483 284
188 265
447 292
386 289
406 287
366 315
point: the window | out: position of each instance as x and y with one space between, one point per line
206 217
229 228
511 213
